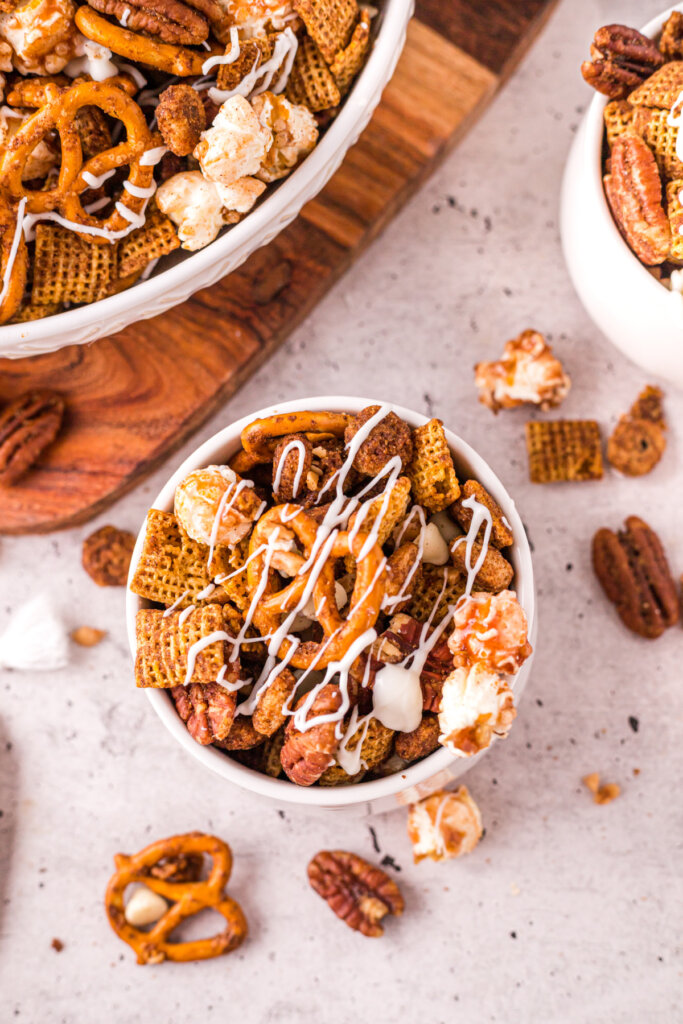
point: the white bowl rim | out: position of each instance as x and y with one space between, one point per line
592 157
220 446
337 138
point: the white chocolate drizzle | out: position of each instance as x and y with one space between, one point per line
226 58
292 446
14 248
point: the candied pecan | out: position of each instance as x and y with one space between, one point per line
208 710
637 442
290 470
181 118
495 573
269 714
185 867
242 735
501 534
421 741
671 39
106 556
622 58
634 192
171 21
359 893
635 575
401 639
306 755
388 438
27 426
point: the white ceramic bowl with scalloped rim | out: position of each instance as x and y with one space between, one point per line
414 782
201 269
639 315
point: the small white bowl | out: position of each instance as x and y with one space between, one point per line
280 207
637 313
414 782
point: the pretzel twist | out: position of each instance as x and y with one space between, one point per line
171 57
274 604
188 898
58 114
260 438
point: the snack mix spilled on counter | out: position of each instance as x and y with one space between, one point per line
643 159
130 129
333 604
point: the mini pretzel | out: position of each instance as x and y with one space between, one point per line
14 292
340 633
260 438
31 92
188 898
59 113
170 57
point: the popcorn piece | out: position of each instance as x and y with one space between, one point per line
253 16
295 134
476 704
42 34
241 195
490 629
215 506
527 373
194 206
444 825
145 907
235 145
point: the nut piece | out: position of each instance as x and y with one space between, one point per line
87 636
421 741
527 373
27 426
444 825
181 118
306 755
359 893
208 710
622 59
671 39
145 907
634 192
388 438
635 575
637 442
106 556
601 794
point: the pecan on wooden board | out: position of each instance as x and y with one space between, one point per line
635 575
622 58
27 426
359 893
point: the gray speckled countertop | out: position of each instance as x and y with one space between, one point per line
567 911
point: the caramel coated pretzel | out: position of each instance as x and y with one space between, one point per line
14 288
261 437
188 898
59 113
171 57
274 604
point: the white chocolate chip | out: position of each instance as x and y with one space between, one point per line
145 907
435 549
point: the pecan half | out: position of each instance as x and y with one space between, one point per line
106 556
622 58
27 426
208 710
185 22
359 893
634 192
306 755
185 867
635 575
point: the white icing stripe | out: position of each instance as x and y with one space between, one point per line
136 219
350 760
185 614
14 248
149 269
138 191
95 182
675 120
152 156
227 58
134 73
299 445
232 493
176 603
285 48
206 592
85 229
480 515
99 204
123 20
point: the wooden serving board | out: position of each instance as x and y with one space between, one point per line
135 397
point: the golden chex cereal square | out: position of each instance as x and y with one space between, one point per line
437 586
311 82
172 568
68 269
432 473
661 89
329 23
618 119
349 61
156 238
253 53
163 643
563 450
661 138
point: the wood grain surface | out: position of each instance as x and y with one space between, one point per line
135 397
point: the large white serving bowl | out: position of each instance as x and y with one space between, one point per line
420 779
280 207
638 314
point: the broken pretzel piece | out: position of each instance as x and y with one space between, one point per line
637 442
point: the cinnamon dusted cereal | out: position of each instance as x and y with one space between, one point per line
563 450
